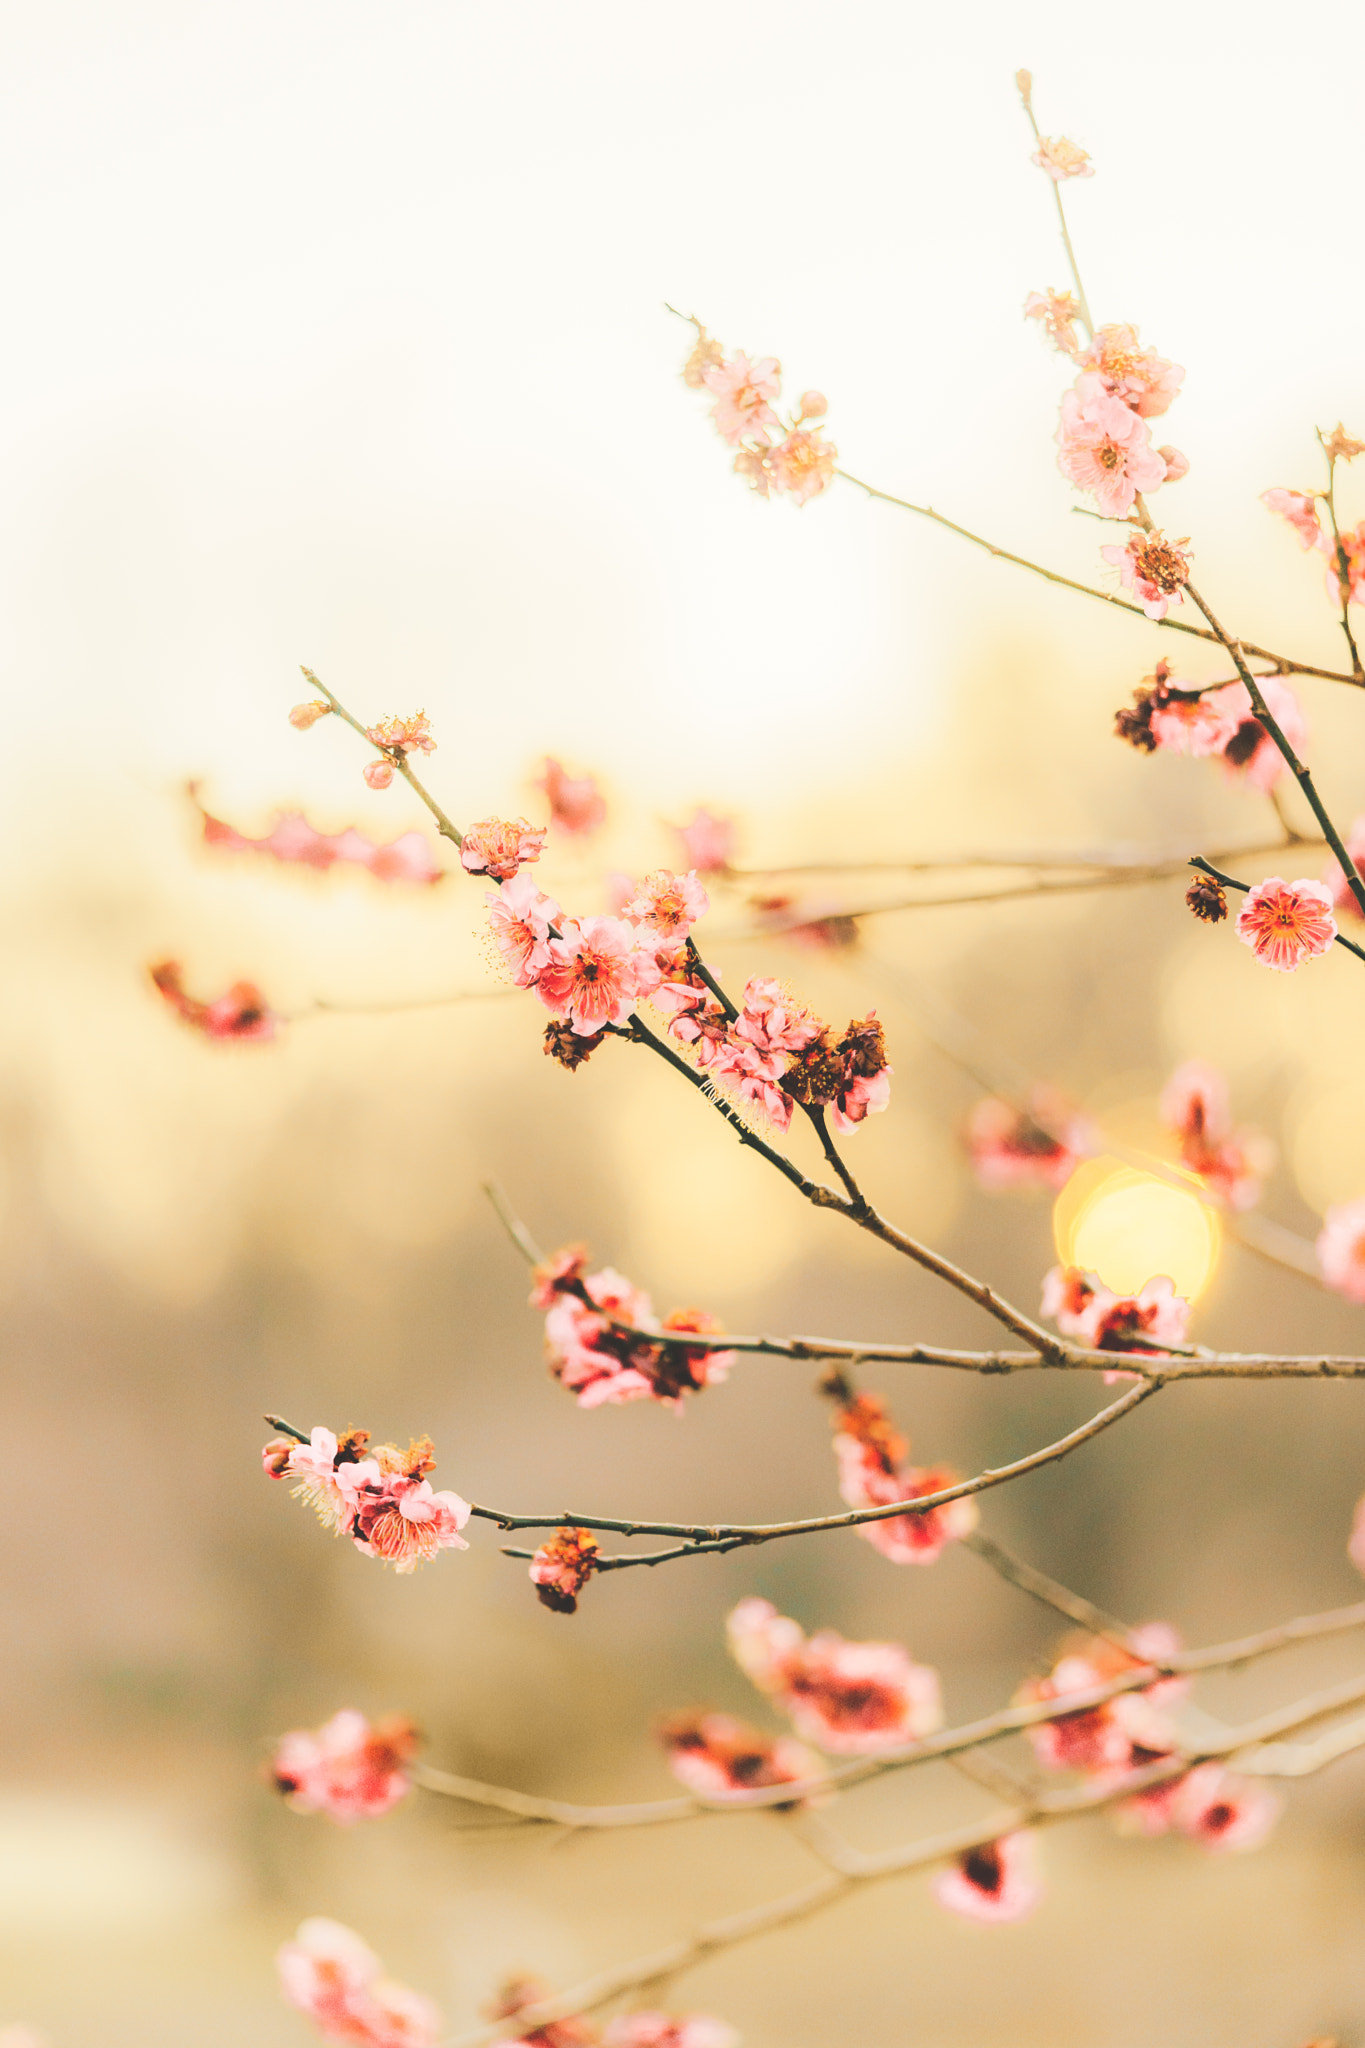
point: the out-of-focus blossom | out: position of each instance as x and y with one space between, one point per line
660 2030
1105 447
1346 575
1120 1735
1154 569
1145 381
743 392
1339 446
668 904
1194 1104
378 774
873 1473
721 1758
1040 1146
411 735
803 923
330 1974
595 972
755 466
301 718
600 1363
1062 159
708 842
1335 877
379 1496
1285 923
562 1567
812 405
850 1699
1251 751
1300 509
562 1273
242 1015
1103 1321
294 841
499 848
577 805
518 1995
707 354
1220 1811
519 919
1177 465
349 1768
995 1883
1341 1249
802 464
1058 312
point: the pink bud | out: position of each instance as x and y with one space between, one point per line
1177 465
814 405
379 774
304 715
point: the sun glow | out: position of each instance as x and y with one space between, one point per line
1128 1226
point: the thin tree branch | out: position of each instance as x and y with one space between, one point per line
396 755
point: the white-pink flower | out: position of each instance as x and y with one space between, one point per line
1040 1145
1059 312
499 847
403 1522
349 1768
330 1974
1251 751
802 464
1194 1104
1154 569
1285 923
577 805
708 842
1144 380
1106 448
1219 1811
668 904
1062 159
519 918
719 1757
995 1883
1300 509
850 1699
1200 725
1341 1249
595 973
742 391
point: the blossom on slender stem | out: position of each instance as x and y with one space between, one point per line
519 919
350 1768
1154 569
499 848
330 1974
305 715
292 840
1106 448
241 1015
600 1362
595 973
1082 1307
1341 1249
1058 312
743 391
1194 1104
873 1473
812 405
562 1567
577 805
802 464
377 1495
1119 1736
722 1758
850 1699
1062 159
1177 465
668 904
995 1883
410 735
661 2030
1335 877
1183 718
378 774
1144 380
1220 1811
708 842
1040 1145
1251 751
1300 509
1285 923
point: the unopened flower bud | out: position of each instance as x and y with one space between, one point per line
1207 899
379 774
1177 465
1024 81
814 405
304 715
276 1455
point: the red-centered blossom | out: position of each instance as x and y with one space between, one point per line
1300 509
1106 448
686 1368
562 1567
600 1363
1144 380
1154 569
1039 1146
873 1473
1058 312
595 973
802 464
1348 586
560 1274
667 904
294 841
1334 875
305 715
577 805
241 1015
1194 1104
661 2030
379 1496
1341 1249
517 1996
1122 1734
499 848
995 1883
695 1017
757 1050
1062 159
850 1699
520 917
1285 923
1181 722
410 735
1143 1323
708 842
330 1974
742 391
350 1768
1220 1811
721 1758
1251 751
771 1020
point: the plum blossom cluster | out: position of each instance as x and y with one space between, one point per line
577 805
871 1457
1040 1145
1155 569
630 2030
1286 923
1231 1164
332 1976
397 738
849 1699
562 1567
604 1343
379 1496
499 848
1145 1323
774 1054
788 458
1213 720
297 843
1105 444
241 1015
720 1758
350 1768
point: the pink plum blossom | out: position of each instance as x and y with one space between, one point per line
562 1273
721 1758
766 1645
519 919
401 1521
755 466
349 1768
742 391
1300 509
801 466
1185 720
873 1473
331 1975
1058 312
1341 1249
595 973
850 1699
562 1567
241 1016
1145 381
293 841
577 805
1348 585
1251 751
1285 923
1039 1146
668 904
1177 465
1334 875
708 842
1154 569
660 2030
1194 1105
305 715
411 735
1220 1811
1062 159
378 774
995 1883
379 1496
812 405
498 848
1106 448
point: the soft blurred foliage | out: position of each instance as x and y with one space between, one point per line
378 382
